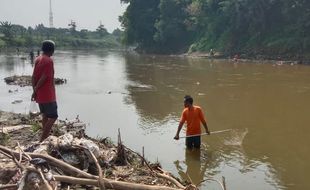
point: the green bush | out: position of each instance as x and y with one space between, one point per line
2 44
4 138
35 127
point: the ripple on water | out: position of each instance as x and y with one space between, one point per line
142 87
237 74
236 138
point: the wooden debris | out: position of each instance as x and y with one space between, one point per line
112 184
52 145
9 129
81 177
72 156
9 186
121 158
25 80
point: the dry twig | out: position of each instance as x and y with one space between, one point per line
8 186
100 179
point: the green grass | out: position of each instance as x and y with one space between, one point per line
4 138
35 127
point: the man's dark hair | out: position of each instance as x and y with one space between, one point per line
188 99
48 46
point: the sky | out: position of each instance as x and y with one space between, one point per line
86 13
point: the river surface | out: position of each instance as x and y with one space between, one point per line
266 106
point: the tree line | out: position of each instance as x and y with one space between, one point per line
251 27
13 35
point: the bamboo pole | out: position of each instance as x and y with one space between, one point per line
202 134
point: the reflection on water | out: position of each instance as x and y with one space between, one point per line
201 165
143 96
196 167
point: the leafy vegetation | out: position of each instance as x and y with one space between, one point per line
267 27
4 138
12 35
35 127
139 23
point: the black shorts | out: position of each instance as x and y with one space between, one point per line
193 142
49 109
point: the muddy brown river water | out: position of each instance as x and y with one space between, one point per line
266 106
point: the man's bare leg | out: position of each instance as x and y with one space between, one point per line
44 120
47 124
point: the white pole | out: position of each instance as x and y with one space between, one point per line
212 133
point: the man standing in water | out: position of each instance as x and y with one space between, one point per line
31 56
44 88
193 116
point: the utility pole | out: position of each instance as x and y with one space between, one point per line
72 25
51 15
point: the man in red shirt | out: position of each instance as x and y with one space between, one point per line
193 116
44 88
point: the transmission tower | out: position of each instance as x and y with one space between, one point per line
51 15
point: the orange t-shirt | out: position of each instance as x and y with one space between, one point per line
192 117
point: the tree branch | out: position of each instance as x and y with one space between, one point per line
117 185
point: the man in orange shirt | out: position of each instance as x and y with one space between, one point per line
193 116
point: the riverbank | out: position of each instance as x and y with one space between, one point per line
70 154
284 59
237 56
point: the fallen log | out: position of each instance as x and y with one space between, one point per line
111 184
171 179
8 186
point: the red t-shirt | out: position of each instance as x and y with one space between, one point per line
44 65
193 117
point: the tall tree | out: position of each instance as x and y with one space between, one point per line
138 21
7 29
172 32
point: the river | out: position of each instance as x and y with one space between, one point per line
266 106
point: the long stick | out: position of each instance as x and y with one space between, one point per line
112 184
213 132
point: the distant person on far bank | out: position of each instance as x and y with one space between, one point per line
193 116
17 51
236 57
211 52
44 88
279 61
31 56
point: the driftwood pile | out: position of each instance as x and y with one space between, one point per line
69 159
25 80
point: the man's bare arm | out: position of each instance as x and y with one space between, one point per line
36 86
178 131
206 127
